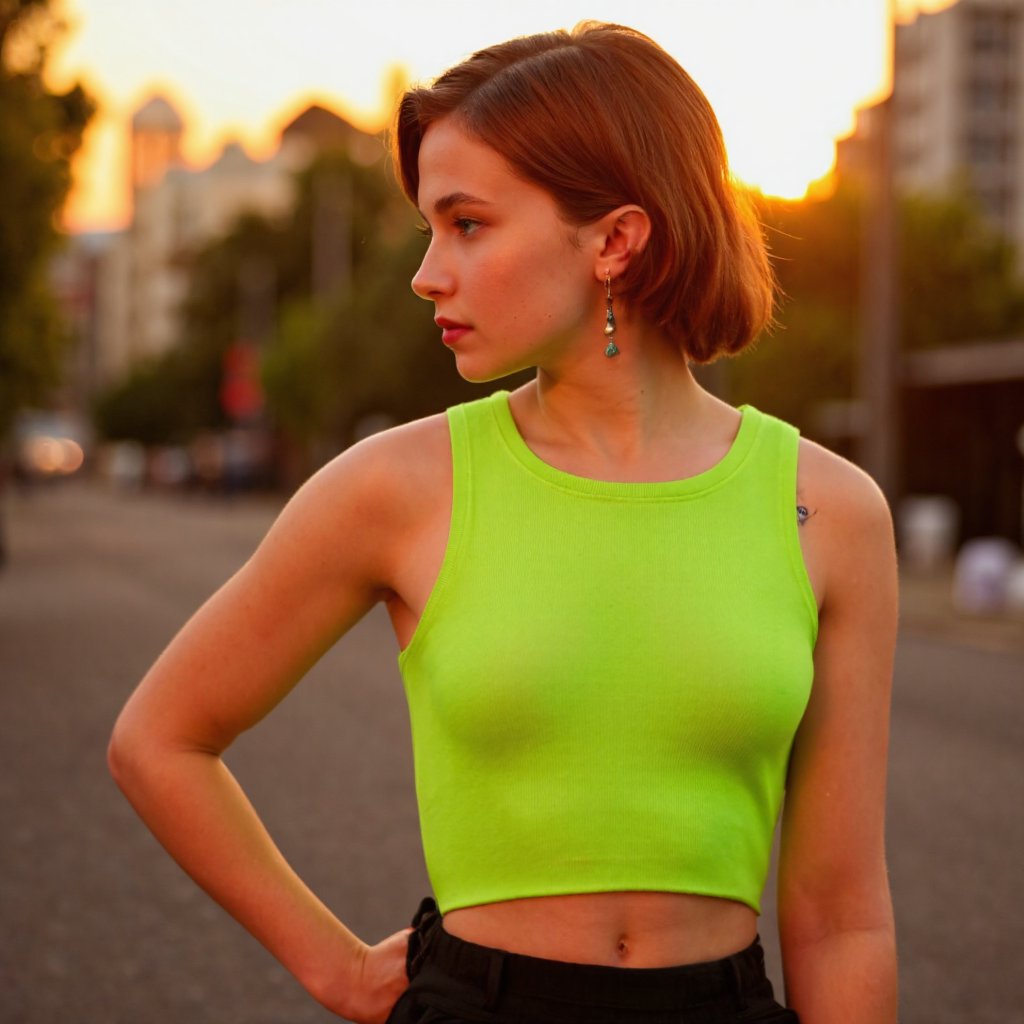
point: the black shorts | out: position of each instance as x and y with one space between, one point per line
453 982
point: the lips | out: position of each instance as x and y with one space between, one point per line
451 330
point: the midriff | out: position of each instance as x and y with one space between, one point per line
623 929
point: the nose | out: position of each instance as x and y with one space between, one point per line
431 280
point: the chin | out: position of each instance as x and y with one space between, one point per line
479 372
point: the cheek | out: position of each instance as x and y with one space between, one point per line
553 287
502 285
566 295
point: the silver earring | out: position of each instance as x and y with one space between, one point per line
611 349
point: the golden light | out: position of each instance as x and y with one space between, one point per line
784 77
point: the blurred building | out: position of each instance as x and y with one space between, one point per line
955 122
958 109
959 106
958 122
143 277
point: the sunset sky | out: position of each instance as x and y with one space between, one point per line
784 76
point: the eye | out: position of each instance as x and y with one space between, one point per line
466 225
424 229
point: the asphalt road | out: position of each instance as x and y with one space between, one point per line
98 926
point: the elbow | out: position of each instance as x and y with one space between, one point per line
133 752
809 917
145 755
121 761
803 932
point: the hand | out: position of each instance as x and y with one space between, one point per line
379 979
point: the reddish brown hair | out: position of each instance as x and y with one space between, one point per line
601 117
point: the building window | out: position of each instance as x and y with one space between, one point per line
988 96
992 32
987 148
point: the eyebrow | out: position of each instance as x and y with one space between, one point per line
445 203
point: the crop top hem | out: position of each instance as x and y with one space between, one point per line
469 899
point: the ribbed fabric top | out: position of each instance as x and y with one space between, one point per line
607 677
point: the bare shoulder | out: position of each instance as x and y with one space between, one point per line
363 505
851 494
850 517
405 457
385 472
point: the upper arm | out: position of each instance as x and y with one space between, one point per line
832 863
324 563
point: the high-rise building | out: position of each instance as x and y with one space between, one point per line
958 109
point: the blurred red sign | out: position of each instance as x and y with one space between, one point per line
241 395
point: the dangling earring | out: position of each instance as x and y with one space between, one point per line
611 349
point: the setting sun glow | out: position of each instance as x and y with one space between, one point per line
784 77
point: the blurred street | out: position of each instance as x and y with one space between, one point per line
100 927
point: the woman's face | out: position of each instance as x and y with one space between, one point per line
509 286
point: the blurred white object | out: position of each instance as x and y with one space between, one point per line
1015 587
170 466
125 464
928 525
982 574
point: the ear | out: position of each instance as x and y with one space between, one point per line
618 236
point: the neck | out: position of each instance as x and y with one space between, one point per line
621 409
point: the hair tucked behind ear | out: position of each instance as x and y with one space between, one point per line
601 117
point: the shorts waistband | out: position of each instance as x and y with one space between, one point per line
493 972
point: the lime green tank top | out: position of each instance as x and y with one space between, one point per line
606 680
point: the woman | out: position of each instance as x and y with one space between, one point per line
609 607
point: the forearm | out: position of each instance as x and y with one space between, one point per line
843 976
199 813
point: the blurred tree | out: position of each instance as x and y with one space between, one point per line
318 365
810 353
370 349
39 133
173 396
959 277
219 310
145 405
958 282
297 373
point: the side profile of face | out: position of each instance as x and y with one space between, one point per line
512 283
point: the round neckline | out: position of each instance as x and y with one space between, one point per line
655 489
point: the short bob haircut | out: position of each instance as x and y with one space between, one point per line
601 117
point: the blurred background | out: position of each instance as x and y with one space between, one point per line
204 296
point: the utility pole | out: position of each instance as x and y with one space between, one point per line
878 379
